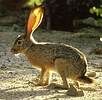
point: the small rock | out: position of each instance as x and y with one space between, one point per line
10 72
91 21
92 74
3 66
72 91
97 77
80 93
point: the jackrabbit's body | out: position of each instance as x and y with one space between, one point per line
44 55
66 60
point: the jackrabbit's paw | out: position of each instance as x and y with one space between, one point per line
39 84
75 83
46 83
54 85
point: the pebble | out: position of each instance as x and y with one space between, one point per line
10 72
92 74
72 91
80 93
97 77
3 66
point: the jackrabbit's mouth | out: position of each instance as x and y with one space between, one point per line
17 55
14 51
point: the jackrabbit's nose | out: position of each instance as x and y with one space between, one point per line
12 50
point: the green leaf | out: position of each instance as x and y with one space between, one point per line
91 11
31 2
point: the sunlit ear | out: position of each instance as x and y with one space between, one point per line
34 19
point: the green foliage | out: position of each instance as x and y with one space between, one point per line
97 11
96 7
37 2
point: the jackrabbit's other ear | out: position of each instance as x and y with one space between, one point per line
34 19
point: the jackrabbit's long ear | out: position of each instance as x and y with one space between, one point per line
34 19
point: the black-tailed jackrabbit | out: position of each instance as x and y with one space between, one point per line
66 60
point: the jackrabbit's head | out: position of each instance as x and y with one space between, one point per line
24 41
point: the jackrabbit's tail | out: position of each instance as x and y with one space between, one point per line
85 79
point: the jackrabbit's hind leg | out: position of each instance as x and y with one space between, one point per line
43 72
59 65
63 86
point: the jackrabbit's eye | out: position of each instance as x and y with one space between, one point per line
20 42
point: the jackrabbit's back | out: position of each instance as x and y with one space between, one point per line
45 54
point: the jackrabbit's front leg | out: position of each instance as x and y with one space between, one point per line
43 72
47 82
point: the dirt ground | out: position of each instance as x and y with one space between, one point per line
17 75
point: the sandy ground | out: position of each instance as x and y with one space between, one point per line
17 75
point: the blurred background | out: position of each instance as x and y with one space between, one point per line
63 15
74 22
